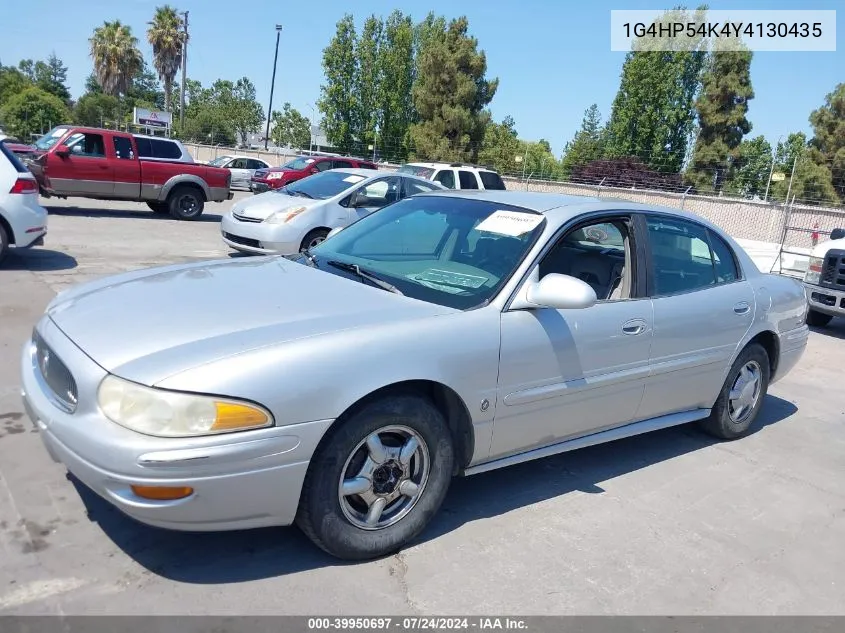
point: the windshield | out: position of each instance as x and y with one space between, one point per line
323 185
51 138
298 163
416 170
454 252
219 161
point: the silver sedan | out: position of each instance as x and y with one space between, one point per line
447 334
300 216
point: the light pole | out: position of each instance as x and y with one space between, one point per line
272 86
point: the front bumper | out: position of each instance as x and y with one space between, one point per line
259 238
825 300
240 480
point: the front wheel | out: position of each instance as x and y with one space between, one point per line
377 479
186 203
313 238
742 395
818 319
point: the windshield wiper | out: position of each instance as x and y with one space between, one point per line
363 274
309 257
297 192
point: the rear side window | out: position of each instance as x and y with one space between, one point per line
446 178
16 163
723 259
341 164
145 150
367 166
467 179
123 148
416 170
165 149
491 180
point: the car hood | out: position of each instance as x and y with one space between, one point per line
151 324
264 204
821 250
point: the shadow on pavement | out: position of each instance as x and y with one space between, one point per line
38 259
225 557
143 214
836 328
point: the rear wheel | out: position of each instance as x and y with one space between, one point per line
313 238
4 244
378 478
818 319
185 202
159 207
742 395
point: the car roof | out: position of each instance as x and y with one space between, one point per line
157 138
435 165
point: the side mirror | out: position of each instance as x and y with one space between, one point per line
837 234
334 231
561 292
62 151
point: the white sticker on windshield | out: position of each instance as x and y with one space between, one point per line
353 179
513 223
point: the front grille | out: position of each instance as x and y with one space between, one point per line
55 375
243 218
246 241
833 270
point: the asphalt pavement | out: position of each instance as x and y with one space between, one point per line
666 523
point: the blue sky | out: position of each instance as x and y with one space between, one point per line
553 59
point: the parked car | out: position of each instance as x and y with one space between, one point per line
109 165
449 333
300 215
301 167
824 280
23 222
456 175
17 147
242 168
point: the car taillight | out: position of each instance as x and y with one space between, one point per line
24 185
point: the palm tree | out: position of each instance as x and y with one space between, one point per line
116 57
166 37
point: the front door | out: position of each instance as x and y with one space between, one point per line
374 195
703 308
240 173
85 171
566 373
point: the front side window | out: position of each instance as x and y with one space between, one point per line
238 163
681 256
414 186
86 144
446 178
449 251
299 164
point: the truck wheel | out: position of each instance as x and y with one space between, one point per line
818 319
4 244
378 478
185 202
159 207
742 395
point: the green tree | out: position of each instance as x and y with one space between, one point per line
722 109
396 71
653 116
587 145
165 35
12 82
827 147
96 109
337 101
247 113
368 81
116 57
538 160
501 146
144 90
27 69
750 173
451 93
33 111
290 128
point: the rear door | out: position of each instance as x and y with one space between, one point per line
703 307
127 167
467 179
86 170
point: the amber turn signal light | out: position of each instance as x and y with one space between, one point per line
162 493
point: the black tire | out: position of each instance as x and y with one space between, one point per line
185 202
313 238
159 207
818 319
320 515
721 424
4 244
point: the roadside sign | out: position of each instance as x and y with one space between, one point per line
153 118
778 176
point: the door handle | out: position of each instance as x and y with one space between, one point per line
742 307
634 327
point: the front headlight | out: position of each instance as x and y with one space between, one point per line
173 414
285 215
814 270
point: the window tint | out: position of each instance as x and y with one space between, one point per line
446 178
416 170
123 148
381 192
86 144
723 259
340 164
491 180
367 166
253 163
238 163
467 179
323 165
416 186
145 150
681 256
165 149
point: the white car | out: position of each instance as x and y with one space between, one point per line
456 175
23 222
242 168
299 216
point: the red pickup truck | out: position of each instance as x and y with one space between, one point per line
104 164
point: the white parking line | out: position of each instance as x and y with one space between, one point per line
39 590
